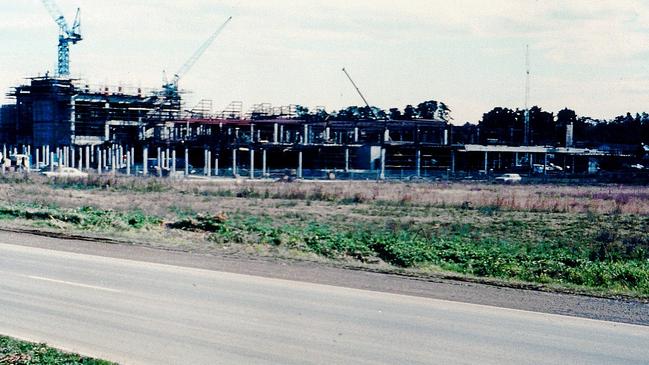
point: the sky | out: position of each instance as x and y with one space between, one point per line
590 56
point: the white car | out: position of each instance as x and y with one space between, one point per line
509 178
66 172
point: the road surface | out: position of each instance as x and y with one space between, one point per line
145 313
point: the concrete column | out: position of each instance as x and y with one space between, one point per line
382 175
87 155
51 159
453 161
281 133
486 162
98 159
167 158
145 159
186 162
445 137
173 162
275 132
234 161
252 163
327 134
80 159
4 151
418 163
209 163
355 134
305 138
252 133
386 135
205 162
299 165
264 173
73 157
159 158
346 159
38 157
216 166
114 164
128 163
132 156
104 157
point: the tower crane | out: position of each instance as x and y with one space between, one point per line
67 35
171 88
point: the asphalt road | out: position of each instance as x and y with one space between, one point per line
144 313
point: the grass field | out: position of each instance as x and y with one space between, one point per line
16 352
592 237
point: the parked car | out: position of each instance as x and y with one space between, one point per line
509 178
66 172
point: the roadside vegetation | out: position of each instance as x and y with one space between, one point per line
15 352
592 238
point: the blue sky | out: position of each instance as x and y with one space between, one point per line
587 55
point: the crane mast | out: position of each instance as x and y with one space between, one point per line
67 35
360 93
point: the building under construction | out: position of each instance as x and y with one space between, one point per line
146 130
62 121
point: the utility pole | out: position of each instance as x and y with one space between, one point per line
526 126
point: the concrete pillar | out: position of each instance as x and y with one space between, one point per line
38 157
80 159
132 156
173 162
264 173
216 166
386 135
299 165
73 158
355 134
346 159
205 163
145 159
159 158
453 161
327 134
252 163
234 161
51 159
275 132
128 163
418 162
252 133
4 151
382 175
186 161
167 158
486 162
209 163
281 133
114 163
305 138
445 137
87 155
98 159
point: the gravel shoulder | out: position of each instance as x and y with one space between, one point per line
437 287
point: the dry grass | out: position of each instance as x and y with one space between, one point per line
157 195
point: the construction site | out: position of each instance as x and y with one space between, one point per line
57 120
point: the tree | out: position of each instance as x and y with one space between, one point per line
427 109
409 112
395 114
